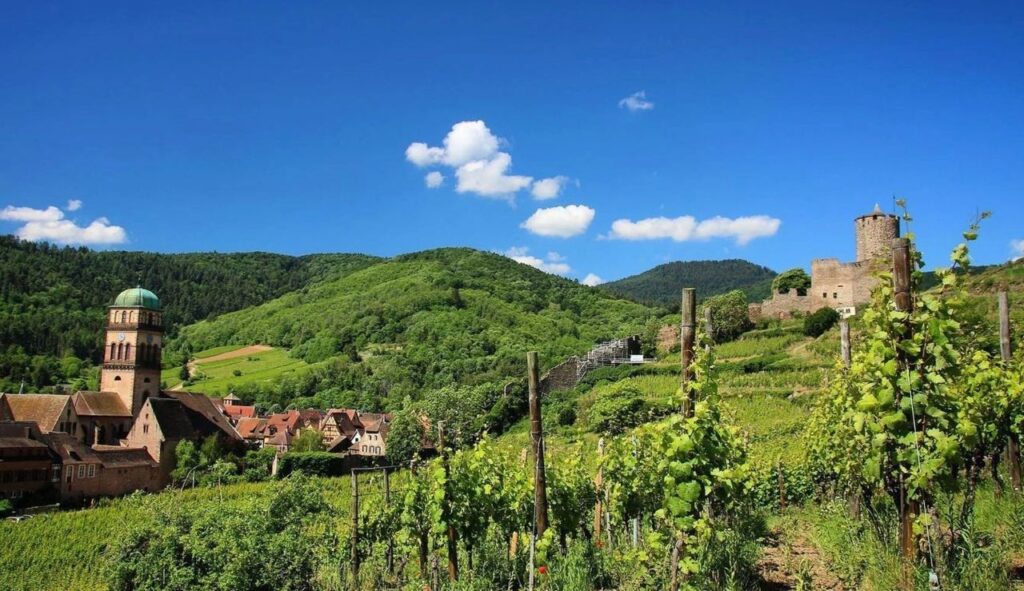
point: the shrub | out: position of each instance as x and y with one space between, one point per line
566 415
792 279
729 315
618 410
312 463
818 323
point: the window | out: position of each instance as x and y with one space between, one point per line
145 428
824 294
835 295
92 470
117 378
69 472
81 470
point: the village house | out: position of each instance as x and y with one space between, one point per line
28 467
50 412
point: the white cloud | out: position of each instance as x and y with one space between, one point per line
592 280
636 102
548 188
434 179
555 263
685 228
488 178
50 225
563 221
1017 247
28 214
74 205
474 153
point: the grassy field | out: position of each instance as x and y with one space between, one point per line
218 376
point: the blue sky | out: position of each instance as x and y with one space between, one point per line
287 127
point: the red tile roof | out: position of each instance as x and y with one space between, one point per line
238 411
44 410
99 404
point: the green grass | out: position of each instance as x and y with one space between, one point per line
218 377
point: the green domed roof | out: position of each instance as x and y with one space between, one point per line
137 297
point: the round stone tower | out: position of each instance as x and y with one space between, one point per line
875 232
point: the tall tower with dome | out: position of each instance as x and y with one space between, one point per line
132 349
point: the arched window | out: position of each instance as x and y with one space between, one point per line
123 316
156 353
120 350
117 378
128 351
143 353
113 349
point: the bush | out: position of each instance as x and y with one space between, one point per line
311 463
614 412
818 323
729 315
566 415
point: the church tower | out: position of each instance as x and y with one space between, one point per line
131 354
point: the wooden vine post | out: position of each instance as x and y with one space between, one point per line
540 496
423 547
844 343
599 487
904 302
709 325
453 548
355 528
687 336
1013 445
390 557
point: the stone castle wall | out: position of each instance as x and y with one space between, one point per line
566 375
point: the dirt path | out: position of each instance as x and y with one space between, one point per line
795 564
244 351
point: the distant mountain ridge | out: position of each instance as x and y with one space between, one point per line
662 284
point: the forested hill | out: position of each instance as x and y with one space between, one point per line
662 284
52 299
423 321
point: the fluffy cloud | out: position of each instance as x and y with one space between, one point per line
685 228
636 102
562 222
555 263
434 179
50 225
28 214
474 153
488 178
74 205
548 188
1017 247
592 280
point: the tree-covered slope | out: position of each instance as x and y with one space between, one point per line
662 284
52 299
448 317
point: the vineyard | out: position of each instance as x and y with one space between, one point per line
770 462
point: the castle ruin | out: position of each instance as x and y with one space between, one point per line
839 285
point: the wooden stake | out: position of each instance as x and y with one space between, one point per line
709 324
1013 459
844 345
782 487
390 556
540 496
423 548
904 301
355 528
599 486
453 548
687 334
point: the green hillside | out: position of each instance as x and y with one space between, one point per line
52 299
661 285
455 318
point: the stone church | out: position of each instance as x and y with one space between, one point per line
130 414
838 285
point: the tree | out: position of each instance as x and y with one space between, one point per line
729 315
795 278
308 440
187 460
820 322
184 374
405 436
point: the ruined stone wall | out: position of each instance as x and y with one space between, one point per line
563 376
875 233
782 305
